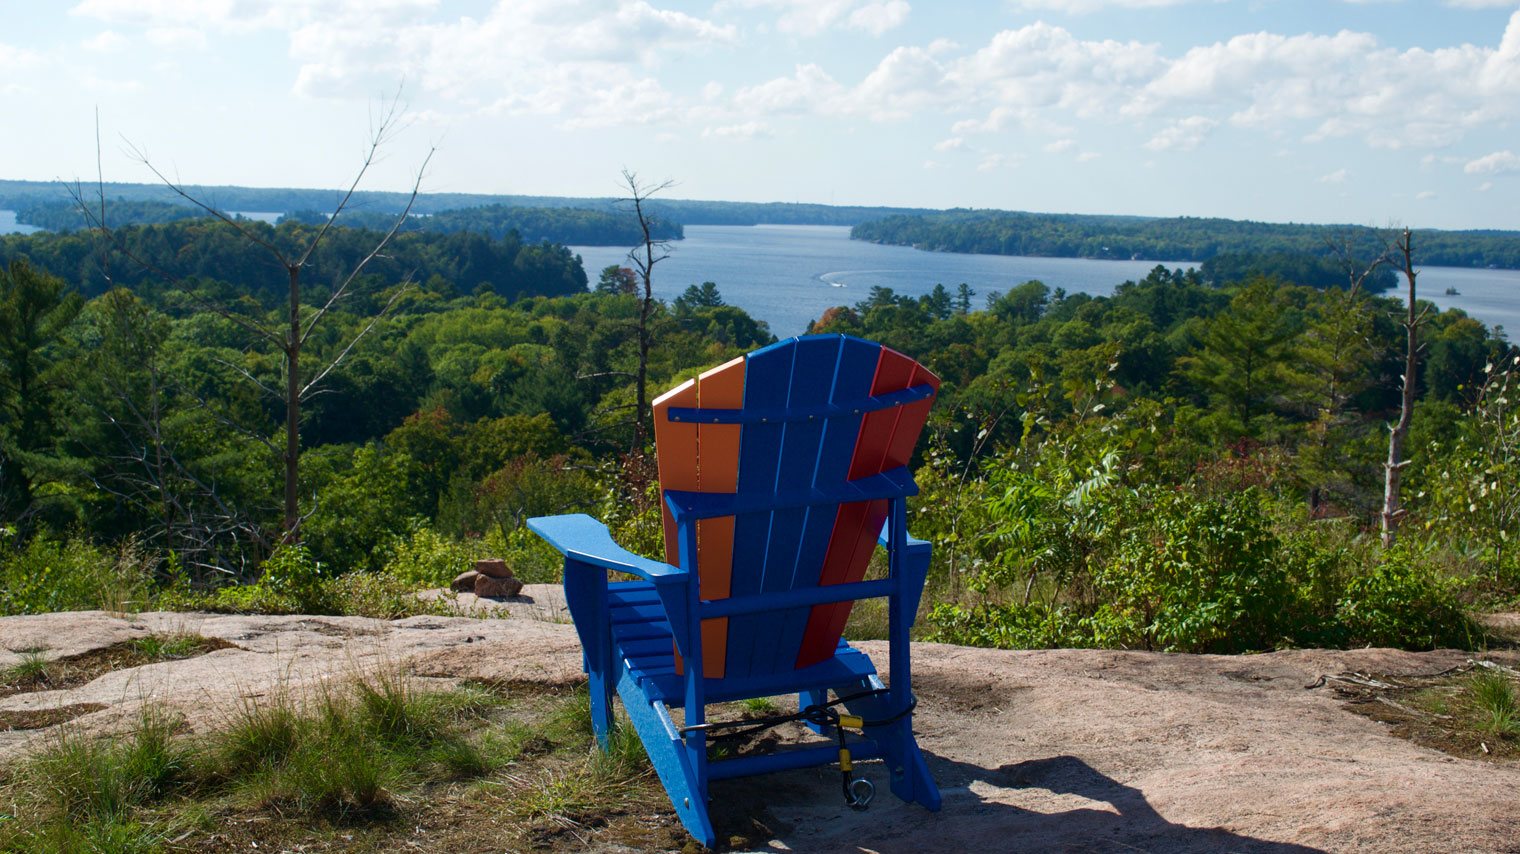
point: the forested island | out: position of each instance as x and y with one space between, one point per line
219 260
1172 238
56 197
1190 464
530 224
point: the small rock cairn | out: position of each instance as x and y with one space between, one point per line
490 579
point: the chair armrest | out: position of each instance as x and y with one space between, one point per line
581 538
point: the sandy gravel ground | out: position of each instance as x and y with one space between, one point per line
1046 751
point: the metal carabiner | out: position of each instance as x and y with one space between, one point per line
861 793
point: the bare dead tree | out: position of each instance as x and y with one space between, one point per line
648 253
1400 255
290 337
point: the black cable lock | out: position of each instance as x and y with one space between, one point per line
858 791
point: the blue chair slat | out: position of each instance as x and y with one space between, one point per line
792 483
850 379
640 612
814 364
767 377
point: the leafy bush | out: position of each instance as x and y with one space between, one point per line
1400 603
425 558
1196 574
72 574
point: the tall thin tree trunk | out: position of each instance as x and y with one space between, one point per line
1393 469
293 410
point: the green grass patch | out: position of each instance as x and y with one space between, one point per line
360 766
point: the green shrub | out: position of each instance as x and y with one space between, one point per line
1011 626
49 574
1198 574
425 558
1400 603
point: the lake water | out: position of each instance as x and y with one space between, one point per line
8 224
788 274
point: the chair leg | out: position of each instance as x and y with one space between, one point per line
910 778
910 774
671 759
600 688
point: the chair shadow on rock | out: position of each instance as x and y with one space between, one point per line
971 822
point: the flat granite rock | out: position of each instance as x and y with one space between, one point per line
1050 750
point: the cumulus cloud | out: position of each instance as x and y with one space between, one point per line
1493 164
1337 177
1182 134
1319 87
1425 194
1088 155
1060 146
592 62
176 38
812 17
105 41
1083 7
741 132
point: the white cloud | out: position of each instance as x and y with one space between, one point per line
812 17
877 17
954 143
1485 186
741 132
1337 177
176 38
1182 134
105 41
1083 7
1088 155
589 62
1060 146
1493 164
1425 194
1480 4
809 88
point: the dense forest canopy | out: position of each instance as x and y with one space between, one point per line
17 195
1191 463
1171 239
577 226
214 254
533 225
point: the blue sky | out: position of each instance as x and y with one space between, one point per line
1393 112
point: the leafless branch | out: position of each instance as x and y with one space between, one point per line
382 132
211 210
307 390
342 289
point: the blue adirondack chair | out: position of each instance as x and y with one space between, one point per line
780 472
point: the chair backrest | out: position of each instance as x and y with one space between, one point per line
811 415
